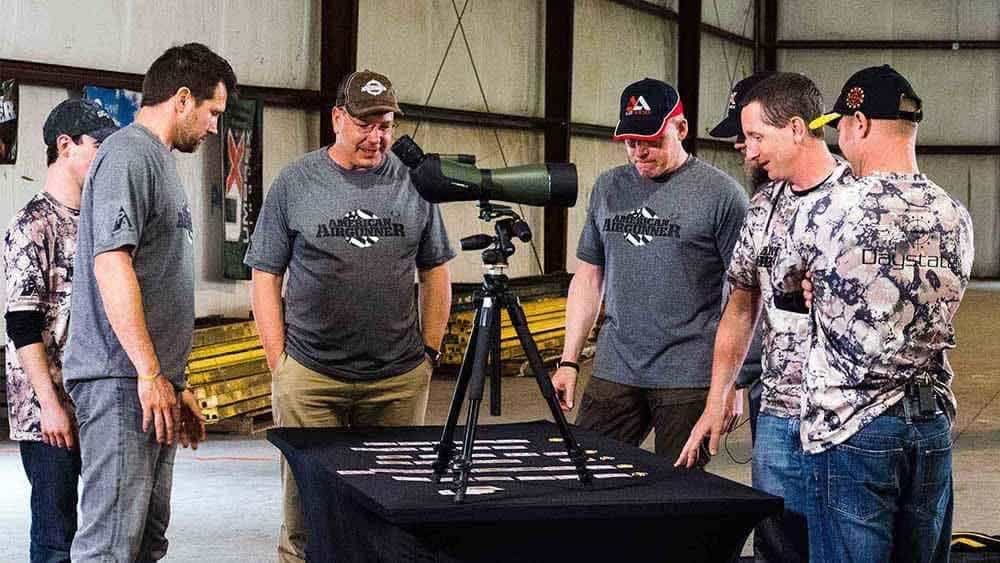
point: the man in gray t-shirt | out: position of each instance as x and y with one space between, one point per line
348 229
132 311
656 243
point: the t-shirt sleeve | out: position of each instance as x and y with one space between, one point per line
25 264
434 249
730 213
590 249
122 200
742 271
270 246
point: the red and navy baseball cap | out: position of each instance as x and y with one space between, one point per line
646 106
875 91
731 126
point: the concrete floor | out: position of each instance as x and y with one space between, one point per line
226 499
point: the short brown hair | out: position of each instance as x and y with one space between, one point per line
785 95
192 65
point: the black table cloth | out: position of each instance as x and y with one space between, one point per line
367 497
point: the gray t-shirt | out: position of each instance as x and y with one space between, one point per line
133 197
350 241
664 246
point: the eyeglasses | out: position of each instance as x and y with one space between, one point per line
383 128
635 143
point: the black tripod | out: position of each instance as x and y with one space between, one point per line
482 356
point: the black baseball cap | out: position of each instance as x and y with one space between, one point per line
366 92
730 125
875 91
646 106
78 117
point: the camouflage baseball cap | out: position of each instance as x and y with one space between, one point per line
366 92
78 117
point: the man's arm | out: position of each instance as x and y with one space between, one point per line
268 314
58 427
122 298
731 343
435 303
582 304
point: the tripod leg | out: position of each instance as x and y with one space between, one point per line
576 453
446 447
489 328
496 395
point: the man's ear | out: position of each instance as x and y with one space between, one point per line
864 124
682 128
800 130
63 144
336 119
183 98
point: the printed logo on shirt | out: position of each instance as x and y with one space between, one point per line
900 247
30 287
122 222
641 225
361 228
184 222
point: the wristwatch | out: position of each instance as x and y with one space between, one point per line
573 365
433 354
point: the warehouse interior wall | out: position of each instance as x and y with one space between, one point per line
492 63
960 87
495 62
126 36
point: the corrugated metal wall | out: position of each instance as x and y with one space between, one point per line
960 88
276 44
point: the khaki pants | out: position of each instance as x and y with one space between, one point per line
301 397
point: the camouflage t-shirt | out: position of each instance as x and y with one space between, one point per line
890 257
765 261
38 260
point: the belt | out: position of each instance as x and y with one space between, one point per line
899 409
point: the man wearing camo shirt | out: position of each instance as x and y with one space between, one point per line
775 117
38 252
889 257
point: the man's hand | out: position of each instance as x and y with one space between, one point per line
720 416
58 425
192 422
159 406
807 289
564 382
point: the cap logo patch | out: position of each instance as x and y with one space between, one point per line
732 100
373 87
855 97
637 106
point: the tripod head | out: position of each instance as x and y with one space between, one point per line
497 249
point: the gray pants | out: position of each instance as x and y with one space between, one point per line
126 477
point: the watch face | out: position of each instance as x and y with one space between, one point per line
434 355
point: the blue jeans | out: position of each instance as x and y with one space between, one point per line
127 476
53 473
886 493
778 462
